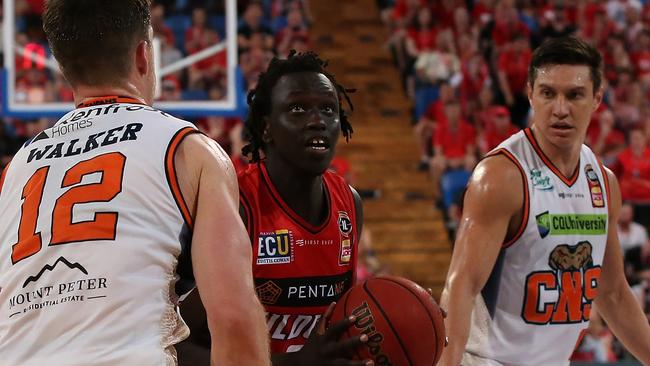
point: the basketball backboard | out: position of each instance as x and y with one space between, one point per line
32 86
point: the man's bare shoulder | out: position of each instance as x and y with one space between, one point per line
198 149
498 171
200 161
498 182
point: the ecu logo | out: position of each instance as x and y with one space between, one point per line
275 247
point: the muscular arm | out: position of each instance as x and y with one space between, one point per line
616 302
494 196
221 254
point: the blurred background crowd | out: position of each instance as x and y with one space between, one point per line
463 65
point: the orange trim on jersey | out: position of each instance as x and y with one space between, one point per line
2 176
524 179
110 99
533 141
172 178
606 179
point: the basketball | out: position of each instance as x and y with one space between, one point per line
403 322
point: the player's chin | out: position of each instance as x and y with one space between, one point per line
318 167
563 136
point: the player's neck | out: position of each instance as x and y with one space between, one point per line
565 159
84 92
302 192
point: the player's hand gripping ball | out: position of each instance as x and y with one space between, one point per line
403 322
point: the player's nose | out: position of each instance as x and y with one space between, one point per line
560 107
315 120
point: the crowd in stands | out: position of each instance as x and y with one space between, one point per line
464 66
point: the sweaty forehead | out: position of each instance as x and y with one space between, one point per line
302 83
564 76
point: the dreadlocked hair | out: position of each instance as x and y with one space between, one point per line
259 98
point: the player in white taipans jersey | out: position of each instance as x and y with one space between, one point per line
540 292
537 249
88 245
99 212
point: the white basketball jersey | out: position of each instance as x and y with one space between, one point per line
539 296
95 239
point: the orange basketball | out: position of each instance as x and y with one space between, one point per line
403 322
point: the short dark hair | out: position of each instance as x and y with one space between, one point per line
93 39
567 51
259 99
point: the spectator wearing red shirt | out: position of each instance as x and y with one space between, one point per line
633 24
482 11
634 169
407 10
603 138
626 98
497 130
641 57
444 11
513 77
596 26
454 144
295 28
425 127
475 72
485 106
160 29
194 35
507 25
422 35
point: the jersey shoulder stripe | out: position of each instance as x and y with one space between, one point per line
524 181
170 172
2 176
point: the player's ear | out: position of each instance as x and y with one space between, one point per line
142 57
598 98
529 93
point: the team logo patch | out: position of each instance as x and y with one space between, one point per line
345 224
543 224
540 181
275 247
563 294
346 252
268 292
595 189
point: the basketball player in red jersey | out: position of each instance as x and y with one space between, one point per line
130 199
304 221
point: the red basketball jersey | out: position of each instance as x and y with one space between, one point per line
299 268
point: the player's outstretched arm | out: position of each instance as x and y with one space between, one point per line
221 254
494 196
615 301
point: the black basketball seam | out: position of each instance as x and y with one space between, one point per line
401 344
345 313
435 331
